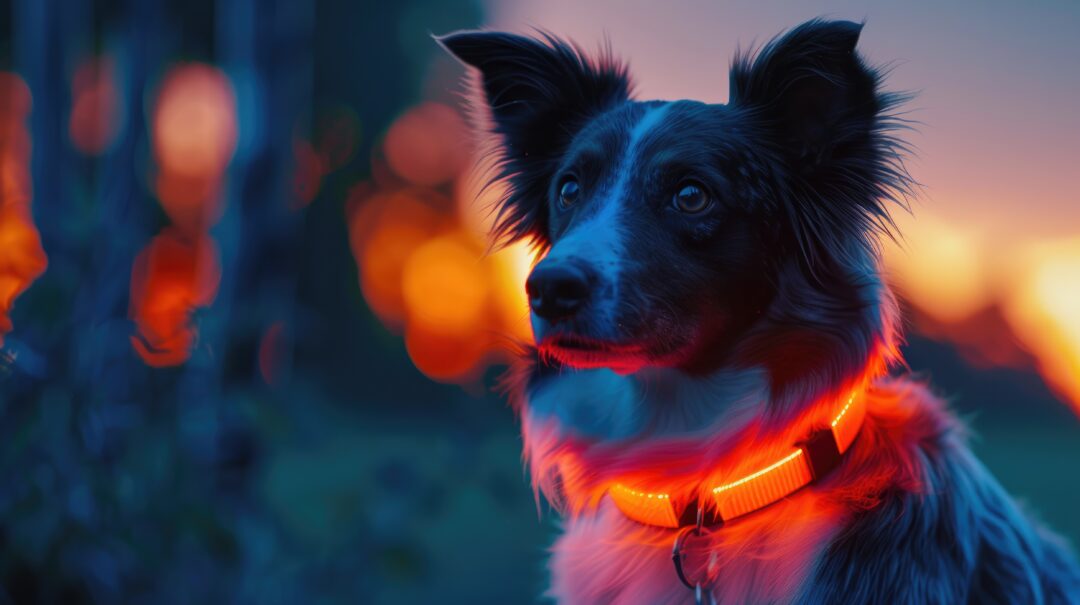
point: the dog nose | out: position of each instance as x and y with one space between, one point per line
557 291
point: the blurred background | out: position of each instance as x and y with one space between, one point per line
249 330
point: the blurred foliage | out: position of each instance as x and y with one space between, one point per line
353 478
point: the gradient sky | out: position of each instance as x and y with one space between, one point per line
998 83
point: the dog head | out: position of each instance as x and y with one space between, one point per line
682 233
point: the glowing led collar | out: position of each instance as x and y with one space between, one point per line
810 460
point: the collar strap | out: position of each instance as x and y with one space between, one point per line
808 460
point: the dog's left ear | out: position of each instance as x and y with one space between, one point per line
815 94
540 93
818 108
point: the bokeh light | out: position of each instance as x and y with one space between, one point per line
22 259
171 279
1043 308
194 137
477 198
445 357
940 267
1007 302
444 285
21 262
96 111
195 120
192 202
420 238
15 103
428 145
384 230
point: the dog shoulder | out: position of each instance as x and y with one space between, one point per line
943 530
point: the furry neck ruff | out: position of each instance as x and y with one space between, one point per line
599 444
684 442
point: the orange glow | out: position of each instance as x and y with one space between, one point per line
424 260
577 474
15 103
645 507
384 231
511 267
477 200
22 258
428 145
941 268
195 121
846 425
1044 311
192 203
172 277
381 270
421 271
15 99
445 357
95 108
768 470
750 492
15 186
763 487
194 137
444 285
995 299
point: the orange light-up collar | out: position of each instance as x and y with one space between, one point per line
807 461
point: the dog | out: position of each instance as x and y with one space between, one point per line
711 402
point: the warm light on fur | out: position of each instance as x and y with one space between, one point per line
574 474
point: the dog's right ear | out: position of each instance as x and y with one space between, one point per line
540 93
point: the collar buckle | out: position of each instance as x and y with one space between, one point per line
822 453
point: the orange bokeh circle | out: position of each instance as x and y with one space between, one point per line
428 145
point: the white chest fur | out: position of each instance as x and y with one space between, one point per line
764 558
600 405
604 557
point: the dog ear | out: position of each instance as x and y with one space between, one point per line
539 93
819 107
812 89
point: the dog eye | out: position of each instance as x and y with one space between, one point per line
691 198
569 192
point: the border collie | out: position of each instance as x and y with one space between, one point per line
709 403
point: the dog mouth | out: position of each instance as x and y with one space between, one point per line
584 352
